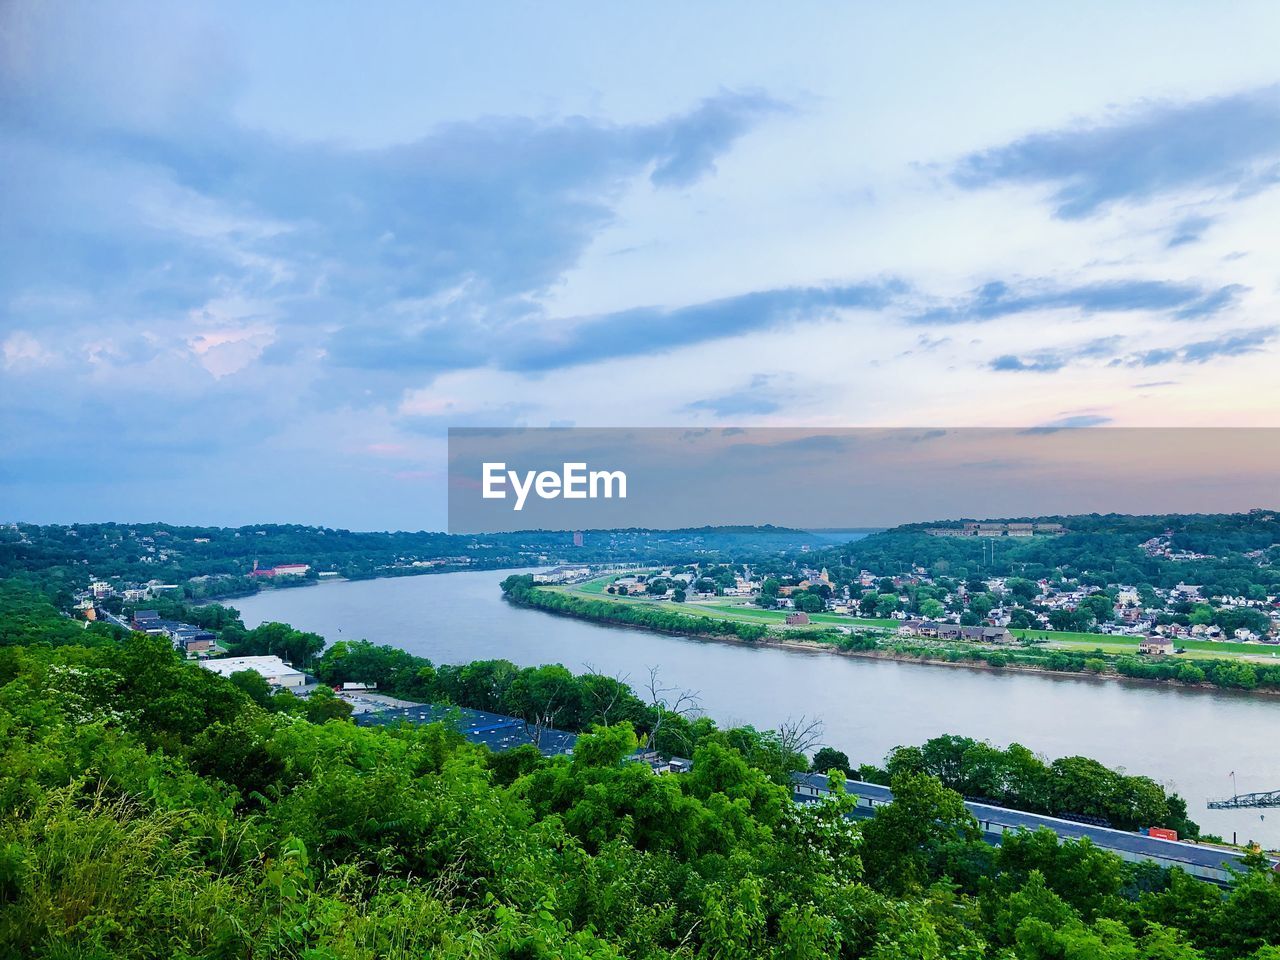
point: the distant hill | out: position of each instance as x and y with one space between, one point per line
1227 550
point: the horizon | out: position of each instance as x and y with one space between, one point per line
587 530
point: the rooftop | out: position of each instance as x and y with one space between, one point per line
269 667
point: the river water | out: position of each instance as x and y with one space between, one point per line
1188 740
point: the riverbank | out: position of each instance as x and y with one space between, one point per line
897 657
869 643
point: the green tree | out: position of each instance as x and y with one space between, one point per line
901 841
828 758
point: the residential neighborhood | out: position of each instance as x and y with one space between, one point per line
979 609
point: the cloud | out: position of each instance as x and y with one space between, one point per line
1182 301
1230 142
1189 230
421 255
692 146
1072 422
761 396
1232 344
1040 362
1051 361
647 330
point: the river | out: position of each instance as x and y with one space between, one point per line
1188 740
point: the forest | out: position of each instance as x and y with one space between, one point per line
149 808
213 562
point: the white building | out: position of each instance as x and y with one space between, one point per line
273 669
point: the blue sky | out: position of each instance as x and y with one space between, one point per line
254 262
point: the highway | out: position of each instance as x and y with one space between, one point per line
1200 860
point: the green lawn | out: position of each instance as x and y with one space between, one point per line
1113 644
746 613
1194 648
723 610
593 587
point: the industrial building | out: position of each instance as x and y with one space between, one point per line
274 670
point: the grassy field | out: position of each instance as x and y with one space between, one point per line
593 587
744 612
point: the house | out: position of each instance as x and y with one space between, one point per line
798 619
679 765
274 670
1156 646
189 639
953 631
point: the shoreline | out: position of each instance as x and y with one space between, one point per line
341 579
815 646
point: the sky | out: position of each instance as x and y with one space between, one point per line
255 260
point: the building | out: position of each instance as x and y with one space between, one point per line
494 730
577 538
1155 646
953 631
280 570
798 619
189 639
274 670
996 529
147 621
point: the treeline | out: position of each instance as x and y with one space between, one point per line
1015 777
214 562
1097 549
28 615
520 589
149 808
1228 674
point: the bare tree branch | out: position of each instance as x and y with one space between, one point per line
667 701
800 735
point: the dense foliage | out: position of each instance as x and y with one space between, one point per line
1071 787
1097 548
521 589
149 808
207 562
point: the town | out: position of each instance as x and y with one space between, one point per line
994 609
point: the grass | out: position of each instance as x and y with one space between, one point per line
722 610
1117 644
743 612
594 587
